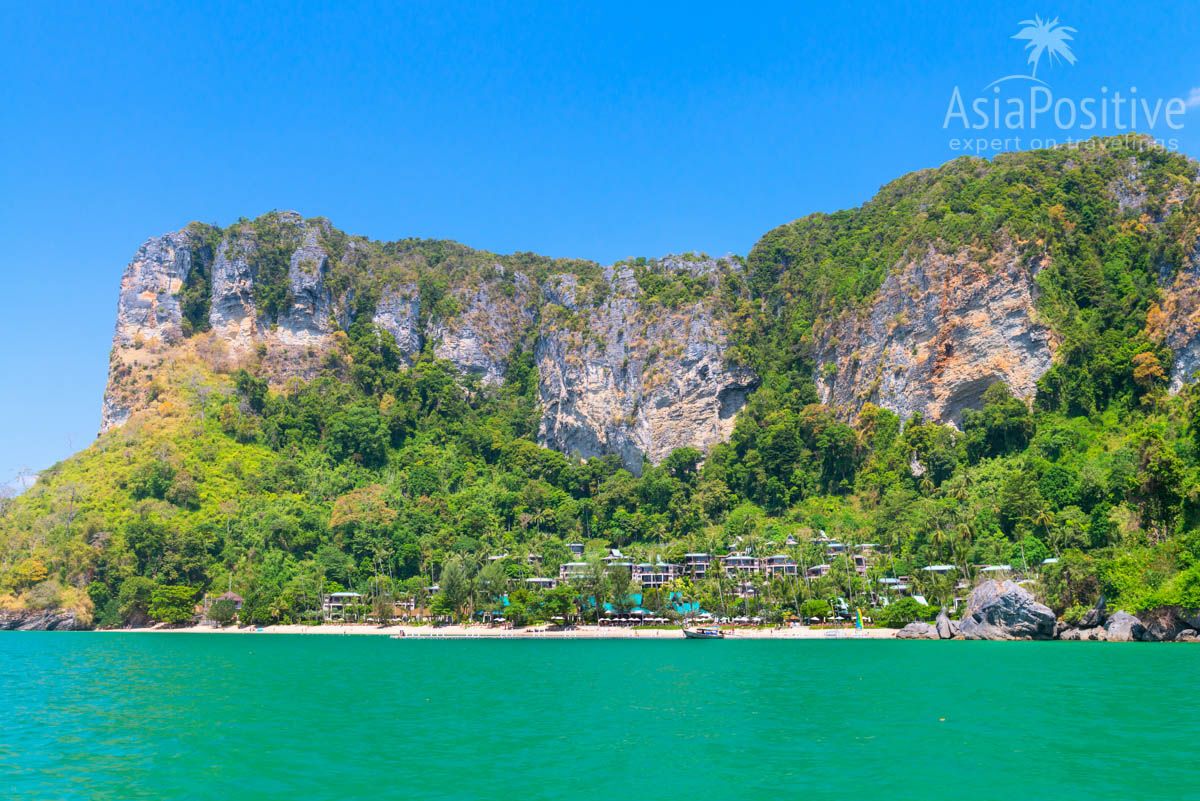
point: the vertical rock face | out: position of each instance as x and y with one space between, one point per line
311 313
148 308
492 319
233 315
149 319
634 378
940 330
398 313
1181 308
620 372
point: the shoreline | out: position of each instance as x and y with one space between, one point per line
486 633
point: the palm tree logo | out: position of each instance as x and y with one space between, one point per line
1042 38
1046 38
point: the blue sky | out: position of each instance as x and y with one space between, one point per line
599 130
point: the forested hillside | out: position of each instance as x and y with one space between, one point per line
388 469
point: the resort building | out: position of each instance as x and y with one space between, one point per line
740 564
333 605
541 583
780 565
576 548
817 571
570 571
696 564
617 559
656 575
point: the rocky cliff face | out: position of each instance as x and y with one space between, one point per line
1181 320
940 330
620 373
623 375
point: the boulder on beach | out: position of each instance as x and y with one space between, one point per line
1124 627
1095 616
1187 635
918 630
947 629
1003 610
1096 633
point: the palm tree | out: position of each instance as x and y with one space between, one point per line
1046 38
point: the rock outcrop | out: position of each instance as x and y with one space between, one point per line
940 330
619 371
1003 610
918 630
636 378
1095 616
1124 627
947 629
47 620
1096 633
493 319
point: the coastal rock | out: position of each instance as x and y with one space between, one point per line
1162 624
940 330
30 620
1095 616
1094 634
1187 635
947 629
1003 610
918 630
1124 627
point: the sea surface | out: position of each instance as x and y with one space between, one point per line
141 716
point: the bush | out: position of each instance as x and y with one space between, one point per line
901 612
133 600
172 604
222 612
815 608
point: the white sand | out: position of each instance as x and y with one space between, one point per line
487 632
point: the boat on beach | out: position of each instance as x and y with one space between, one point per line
703 634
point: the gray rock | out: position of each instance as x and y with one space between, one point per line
1096 615
1124 627
1095 633
481 337
618 372
1187 635
311 314
918 630
47 620
632 377
941 329
398 313
947 629
1003 610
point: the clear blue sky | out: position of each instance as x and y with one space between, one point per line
598 130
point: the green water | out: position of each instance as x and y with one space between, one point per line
128 716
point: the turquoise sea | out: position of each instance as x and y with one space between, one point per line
139 716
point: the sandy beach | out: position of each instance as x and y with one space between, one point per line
495 633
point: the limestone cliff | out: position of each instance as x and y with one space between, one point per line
939 331
630 375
